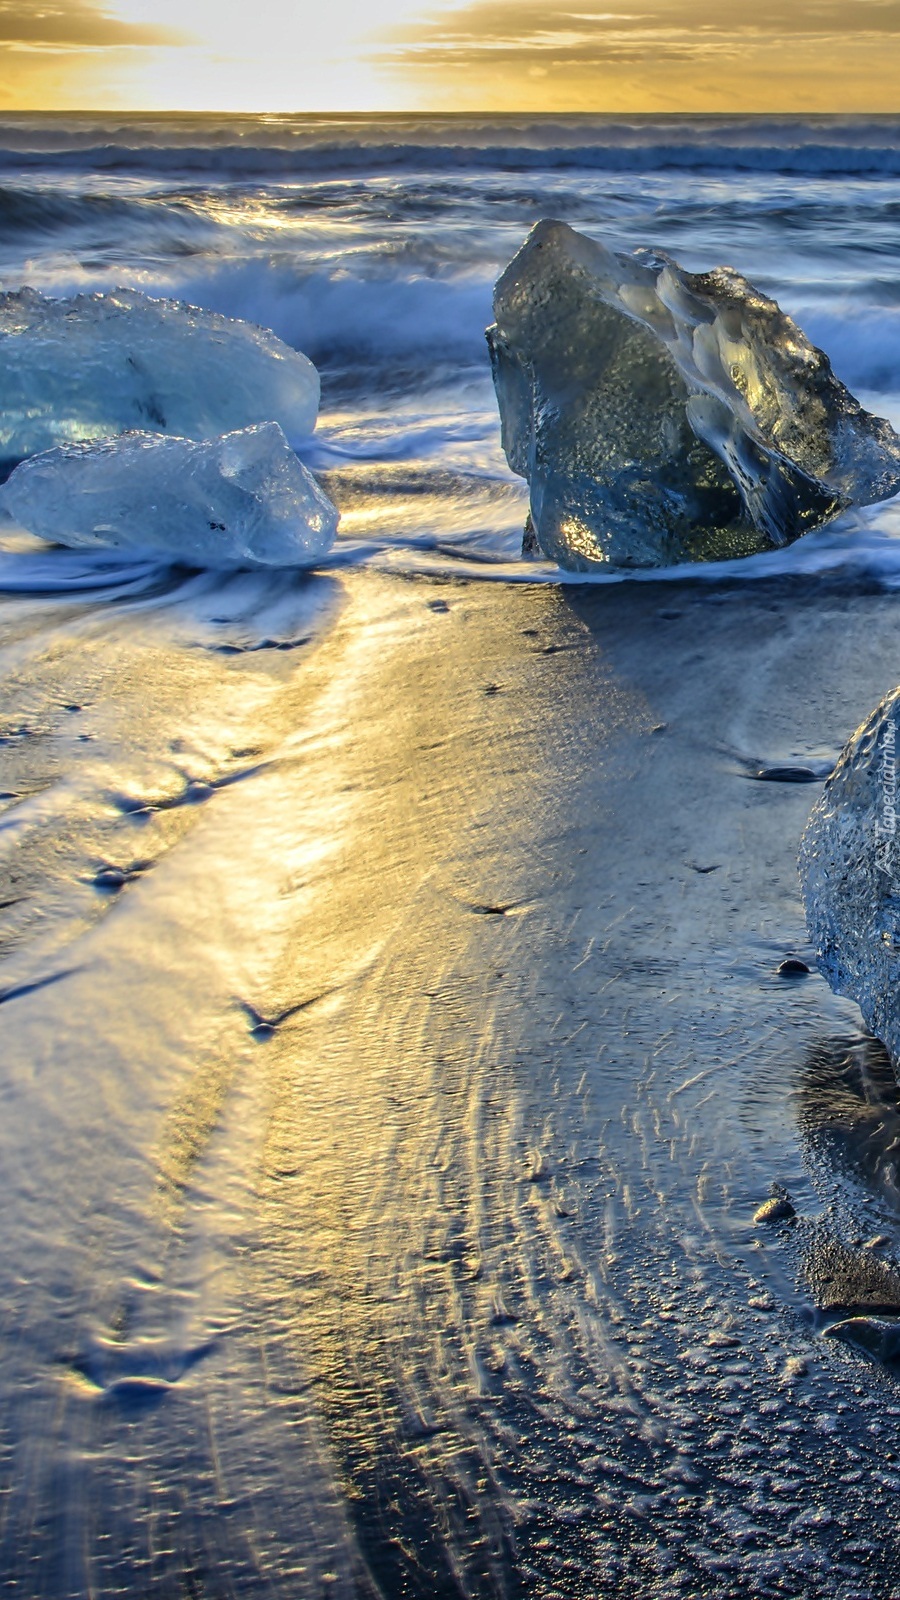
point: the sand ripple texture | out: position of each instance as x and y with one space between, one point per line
394 1060
395 1054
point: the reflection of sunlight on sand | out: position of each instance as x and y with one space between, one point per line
414 1102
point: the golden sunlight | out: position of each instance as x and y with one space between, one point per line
491 55
200 55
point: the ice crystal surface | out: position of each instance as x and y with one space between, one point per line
850 871
99 364
240 500
664 416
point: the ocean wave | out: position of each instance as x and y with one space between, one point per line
862 342
865 150
352 314
818 160
337 317
43 212
861 546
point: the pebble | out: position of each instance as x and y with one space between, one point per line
876 1336
785 775
795 1367
793 967
110 878
776 1209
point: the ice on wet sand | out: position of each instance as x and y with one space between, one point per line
240 500
663 416
100 364
850 871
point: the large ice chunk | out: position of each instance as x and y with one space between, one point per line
243 500
664 416
850 873
100 364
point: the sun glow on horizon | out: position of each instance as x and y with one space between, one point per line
480 55
289 57
197 55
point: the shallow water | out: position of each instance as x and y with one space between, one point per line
373 245
394 1055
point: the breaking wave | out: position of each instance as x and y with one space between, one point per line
862 147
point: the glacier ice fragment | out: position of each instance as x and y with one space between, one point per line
850 874
663 416
100 364
242 500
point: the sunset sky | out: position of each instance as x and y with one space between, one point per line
504 55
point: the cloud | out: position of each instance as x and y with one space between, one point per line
72 25
684 54
485 31
488 28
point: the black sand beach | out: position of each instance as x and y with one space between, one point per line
382 1152
433 1167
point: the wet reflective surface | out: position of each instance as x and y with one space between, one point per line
394 1059
393 1055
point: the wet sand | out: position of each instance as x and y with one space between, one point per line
381 1155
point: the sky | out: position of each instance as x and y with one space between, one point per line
486 55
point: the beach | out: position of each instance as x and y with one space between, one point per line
382 1155
395 1053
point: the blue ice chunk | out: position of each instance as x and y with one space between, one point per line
100 364
242 500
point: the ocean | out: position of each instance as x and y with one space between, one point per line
394 1053
373 246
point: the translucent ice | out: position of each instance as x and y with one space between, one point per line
103 363
850 872
243 500
663 416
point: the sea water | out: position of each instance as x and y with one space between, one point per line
394 1055
373 246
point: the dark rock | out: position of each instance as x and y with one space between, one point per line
785 775
874 1336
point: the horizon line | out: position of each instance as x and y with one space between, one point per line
444 115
